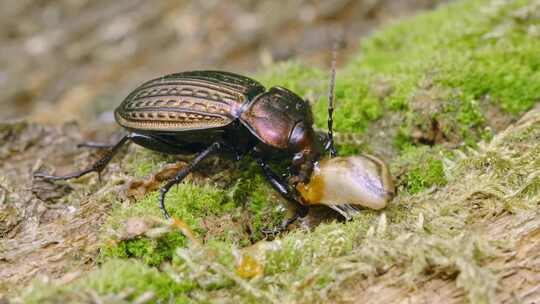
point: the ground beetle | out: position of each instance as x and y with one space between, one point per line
206 112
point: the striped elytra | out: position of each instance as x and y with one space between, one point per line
187 101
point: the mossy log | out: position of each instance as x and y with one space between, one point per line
453 110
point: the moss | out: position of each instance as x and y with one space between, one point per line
419 168
479 47
116 275
252 191
150 251
349 149
425 176
249 201
141 162
113 277
187 202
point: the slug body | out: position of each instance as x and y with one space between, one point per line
344 183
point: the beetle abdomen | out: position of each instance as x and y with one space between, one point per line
187 101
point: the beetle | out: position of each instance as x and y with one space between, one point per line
209 112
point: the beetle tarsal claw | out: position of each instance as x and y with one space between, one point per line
275 231
272 232
302 212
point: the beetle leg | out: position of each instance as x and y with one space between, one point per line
96 167
95 145
286 223
183 173
289 194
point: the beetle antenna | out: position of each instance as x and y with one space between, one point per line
330 145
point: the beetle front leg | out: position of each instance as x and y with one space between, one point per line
282 188
183 173
96 167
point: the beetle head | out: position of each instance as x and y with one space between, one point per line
281 119
308 146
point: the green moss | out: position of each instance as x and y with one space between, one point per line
425 176
419 168
249 201
253 191
150 251
187 202
265 213
141 162
356 108
113 277
448 66
479 47
116 275
349 149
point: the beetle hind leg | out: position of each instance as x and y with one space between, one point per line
95 145
98 166
183 173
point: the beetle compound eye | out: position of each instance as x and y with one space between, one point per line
299 137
